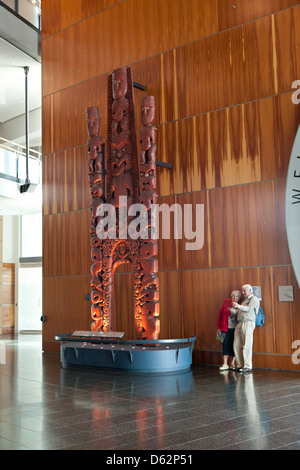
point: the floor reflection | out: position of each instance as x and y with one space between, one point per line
147 385
45 407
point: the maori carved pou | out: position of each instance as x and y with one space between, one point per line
125 183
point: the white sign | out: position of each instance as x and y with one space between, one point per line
292 206
285 293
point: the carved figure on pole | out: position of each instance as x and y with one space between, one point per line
148 248
124 182
97 186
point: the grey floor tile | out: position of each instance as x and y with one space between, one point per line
45 407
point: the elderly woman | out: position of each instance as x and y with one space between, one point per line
227 320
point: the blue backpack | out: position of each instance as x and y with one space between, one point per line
259 317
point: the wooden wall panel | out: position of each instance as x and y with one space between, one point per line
65 306
278 121
8 298
287 48
58 14
8 273
171 304
66 244
8 318
191 299
221 78
61 14
69 113
223 148
242 11
111 26
167 248
254 36
251 219
8 293
47 131
283 330
65 181
152 77
238 145
226 69
188 256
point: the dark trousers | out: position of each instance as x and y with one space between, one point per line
228 342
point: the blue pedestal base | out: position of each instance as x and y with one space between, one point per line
137 356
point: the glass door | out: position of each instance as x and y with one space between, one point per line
30 297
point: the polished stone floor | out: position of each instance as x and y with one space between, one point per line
45 407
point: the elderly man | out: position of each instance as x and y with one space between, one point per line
243 336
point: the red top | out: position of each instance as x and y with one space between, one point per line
223 319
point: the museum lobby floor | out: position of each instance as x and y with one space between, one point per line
45 407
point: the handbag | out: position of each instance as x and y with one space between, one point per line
220 337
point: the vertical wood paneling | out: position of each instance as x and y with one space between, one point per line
167 247
190 258
287 54
65 181
171 304
252 221
68 114
221 78
242 11
66 244
47 124
282 315
65 305
112 26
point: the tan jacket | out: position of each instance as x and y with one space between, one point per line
246 309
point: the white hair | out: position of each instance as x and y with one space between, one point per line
247 287
236 292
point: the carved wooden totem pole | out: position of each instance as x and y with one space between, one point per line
124 185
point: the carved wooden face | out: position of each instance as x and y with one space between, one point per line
147 176
147 110
96 191
93 121
121 157
119 83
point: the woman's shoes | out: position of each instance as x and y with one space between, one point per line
226 367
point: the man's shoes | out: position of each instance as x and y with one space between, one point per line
245 369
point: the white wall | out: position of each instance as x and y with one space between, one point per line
22 237
11 238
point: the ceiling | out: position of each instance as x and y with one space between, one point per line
22 204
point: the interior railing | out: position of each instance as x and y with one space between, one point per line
13 162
